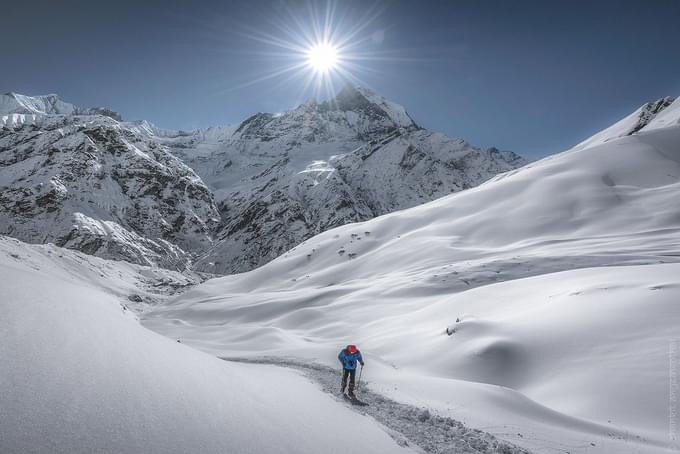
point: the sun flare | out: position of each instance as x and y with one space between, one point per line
322 57
323 47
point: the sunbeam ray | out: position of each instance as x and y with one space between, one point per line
319 44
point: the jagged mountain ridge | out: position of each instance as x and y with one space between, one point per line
91 184
277 179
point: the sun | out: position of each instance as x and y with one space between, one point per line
322 57
323 48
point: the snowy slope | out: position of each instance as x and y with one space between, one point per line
80 375
471 304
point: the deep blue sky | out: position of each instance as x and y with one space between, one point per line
532 77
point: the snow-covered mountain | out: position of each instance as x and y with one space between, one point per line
540 305
83 179
282 178
88 182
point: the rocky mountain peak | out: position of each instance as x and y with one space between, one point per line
354 113
365 101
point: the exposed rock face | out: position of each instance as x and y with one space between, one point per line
89 183
645 115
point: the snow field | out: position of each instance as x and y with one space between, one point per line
564 277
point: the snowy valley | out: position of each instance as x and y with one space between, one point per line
525 307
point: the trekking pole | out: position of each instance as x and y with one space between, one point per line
359 381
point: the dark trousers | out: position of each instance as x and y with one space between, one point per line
351 373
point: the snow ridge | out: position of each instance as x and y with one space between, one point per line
633 123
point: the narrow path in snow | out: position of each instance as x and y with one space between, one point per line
407 425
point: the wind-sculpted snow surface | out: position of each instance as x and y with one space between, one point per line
470 305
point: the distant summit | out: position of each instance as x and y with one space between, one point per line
14 103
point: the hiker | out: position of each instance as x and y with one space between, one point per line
348 357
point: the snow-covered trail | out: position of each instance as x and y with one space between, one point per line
407 424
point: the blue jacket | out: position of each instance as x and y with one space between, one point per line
349 360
